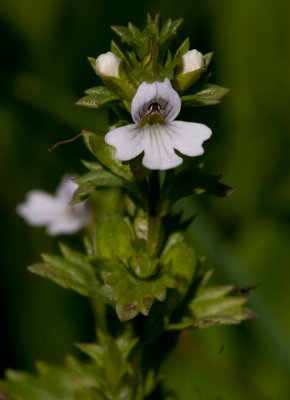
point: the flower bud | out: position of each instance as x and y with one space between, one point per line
192 61
108 65
189 70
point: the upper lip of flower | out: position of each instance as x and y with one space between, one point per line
160 93
154 109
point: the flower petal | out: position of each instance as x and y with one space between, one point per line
39 208
66 189
188 137
72 220
158 148
160 92
127 140
54 212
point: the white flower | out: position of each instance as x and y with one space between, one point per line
108 65
154 108
55 212
192 61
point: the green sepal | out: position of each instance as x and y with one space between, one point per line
208 95
97 97
105 154
117 51
181 82
183 48
207 59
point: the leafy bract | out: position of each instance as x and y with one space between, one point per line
106 374
212 305
97 97
208 95
105 154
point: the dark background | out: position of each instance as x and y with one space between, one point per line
245 238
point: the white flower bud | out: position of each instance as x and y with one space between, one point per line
108 65
192 61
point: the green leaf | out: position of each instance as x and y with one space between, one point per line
181 259
114 238
97 97
168 30
212 305
184 48
134 30
72 271
117 51
105 154
98 178
191 181
131 295
51 382
208 95
207 59
126 35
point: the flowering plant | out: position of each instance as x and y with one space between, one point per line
143 278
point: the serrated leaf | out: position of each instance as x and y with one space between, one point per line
181 259
95 179
192 181
97 97
73 271
131 295
105 154
213 305
208 95
50 382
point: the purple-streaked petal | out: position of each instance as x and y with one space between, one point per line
188 137
158 149
160 92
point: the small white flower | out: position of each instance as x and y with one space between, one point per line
55 212
192 61
108 65
154 108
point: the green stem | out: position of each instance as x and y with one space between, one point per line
154 234
154 219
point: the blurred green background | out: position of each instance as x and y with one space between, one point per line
43 71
